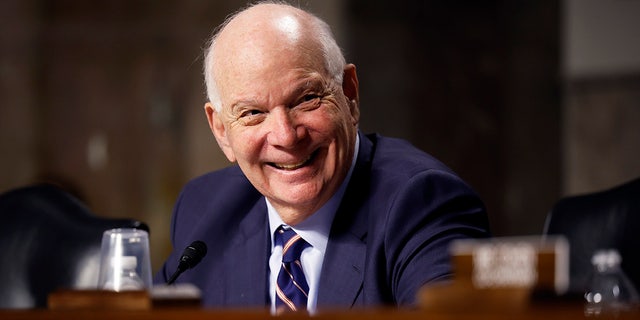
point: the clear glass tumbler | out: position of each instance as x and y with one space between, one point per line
125 262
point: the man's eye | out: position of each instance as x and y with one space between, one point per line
308 102
248 113
310 97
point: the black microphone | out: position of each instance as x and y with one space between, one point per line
191 256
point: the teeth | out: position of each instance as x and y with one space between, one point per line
291 166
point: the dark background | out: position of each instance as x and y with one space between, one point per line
105 97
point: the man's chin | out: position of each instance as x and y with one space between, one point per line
301 203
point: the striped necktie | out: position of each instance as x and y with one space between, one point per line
291 288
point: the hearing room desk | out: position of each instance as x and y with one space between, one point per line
437 303
192 314
546 312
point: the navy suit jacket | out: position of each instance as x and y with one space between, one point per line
390 235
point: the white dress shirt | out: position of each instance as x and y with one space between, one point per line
315 230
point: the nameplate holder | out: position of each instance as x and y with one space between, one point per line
536 262
70 299
159 296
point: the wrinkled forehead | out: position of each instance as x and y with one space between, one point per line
263 53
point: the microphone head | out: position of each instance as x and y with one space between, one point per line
193 254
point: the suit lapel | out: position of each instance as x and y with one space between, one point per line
342 276
342 272
246 259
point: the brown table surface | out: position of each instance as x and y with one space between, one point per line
545 312
442 302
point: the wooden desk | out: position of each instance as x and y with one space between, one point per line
537 312
454 301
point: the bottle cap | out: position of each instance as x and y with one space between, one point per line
606 258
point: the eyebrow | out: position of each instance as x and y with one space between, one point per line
313 84
313 81
242 103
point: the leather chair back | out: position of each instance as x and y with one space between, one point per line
48 240
600 220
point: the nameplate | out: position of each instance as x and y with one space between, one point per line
513 262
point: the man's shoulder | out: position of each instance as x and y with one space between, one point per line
212 204
224 184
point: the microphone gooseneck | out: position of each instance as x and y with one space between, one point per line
191 256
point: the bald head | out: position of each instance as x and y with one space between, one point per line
263 34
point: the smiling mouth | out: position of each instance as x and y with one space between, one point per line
293 166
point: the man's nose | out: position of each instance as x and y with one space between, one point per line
283 130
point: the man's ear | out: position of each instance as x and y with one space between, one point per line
350 89
219 131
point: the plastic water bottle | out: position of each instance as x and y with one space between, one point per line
125 276
610 291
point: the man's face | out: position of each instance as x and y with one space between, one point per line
289 126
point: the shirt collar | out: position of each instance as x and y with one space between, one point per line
315 229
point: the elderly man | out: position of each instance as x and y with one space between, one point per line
315 213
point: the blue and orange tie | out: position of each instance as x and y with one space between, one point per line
292 289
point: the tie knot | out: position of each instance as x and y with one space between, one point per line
292 244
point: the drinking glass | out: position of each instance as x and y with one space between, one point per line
124 260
